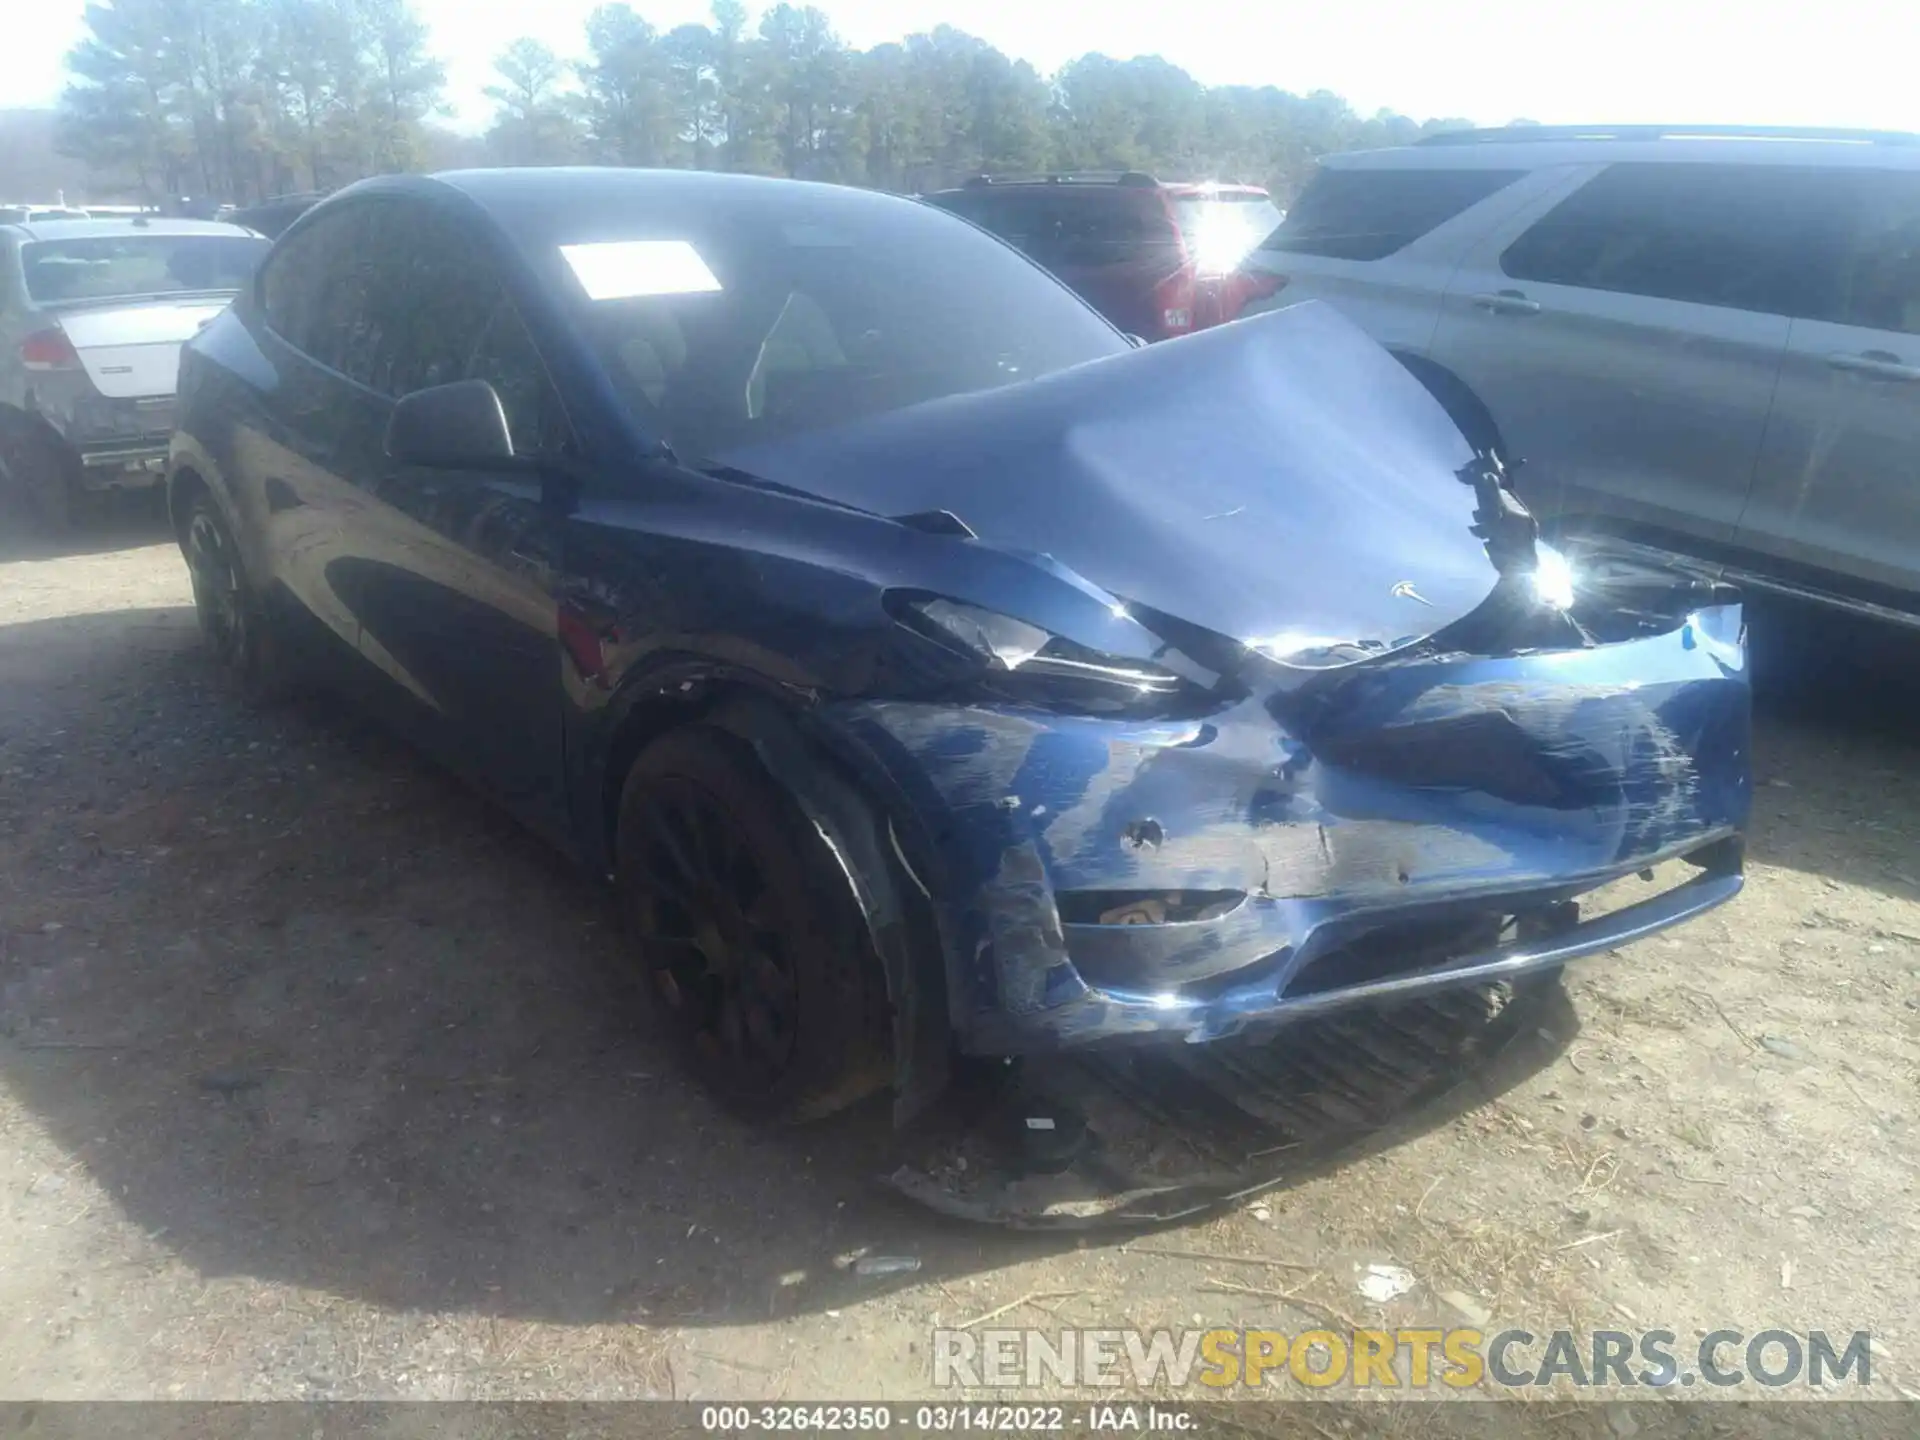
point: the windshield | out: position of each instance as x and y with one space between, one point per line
1221 230
107 267
736 328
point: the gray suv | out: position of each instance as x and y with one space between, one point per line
1698 340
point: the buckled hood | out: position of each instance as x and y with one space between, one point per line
1282 481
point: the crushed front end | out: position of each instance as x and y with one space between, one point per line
1423 821
1229 685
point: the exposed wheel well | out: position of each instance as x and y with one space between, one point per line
645 723
902 929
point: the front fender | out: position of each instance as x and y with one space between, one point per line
891 897
858 830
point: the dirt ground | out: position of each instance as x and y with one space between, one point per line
316 1081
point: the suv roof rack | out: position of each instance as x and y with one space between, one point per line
1075 177
1506 134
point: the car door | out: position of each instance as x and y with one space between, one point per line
1625 334
1380 244
303 437
1838 487
456 569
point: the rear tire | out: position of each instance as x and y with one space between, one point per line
233 621
41 476
752 952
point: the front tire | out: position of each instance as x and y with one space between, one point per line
233 622
753 954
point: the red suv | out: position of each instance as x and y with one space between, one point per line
1156 258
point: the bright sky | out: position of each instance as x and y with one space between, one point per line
1840 62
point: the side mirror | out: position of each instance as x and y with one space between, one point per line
461 426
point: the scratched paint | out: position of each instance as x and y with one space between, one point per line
1643 742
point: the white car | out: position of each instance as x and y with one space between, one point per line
1701 341
92 316
27 214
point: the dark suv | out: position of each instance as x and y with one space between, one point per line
1157 259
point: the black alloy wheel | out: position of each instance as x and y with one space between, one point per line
748 940
232 621
215 571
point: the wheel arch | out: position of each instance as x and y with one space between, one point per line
184 484
858 827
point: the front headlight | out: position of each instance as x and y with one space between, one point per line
1025 663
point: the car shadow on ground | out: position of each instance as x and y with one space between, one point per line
1836 746
118 522
310 1011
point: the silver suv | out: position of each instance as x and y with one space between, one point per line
1702 340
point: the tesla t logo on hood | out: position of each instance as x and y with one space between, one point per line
1404 591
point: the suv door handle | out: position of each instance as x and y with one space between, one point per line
1881 364
1507 302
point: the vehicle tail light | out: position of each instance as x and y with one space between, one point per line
49 350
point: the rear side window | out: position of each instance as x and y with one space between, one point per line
1878 281
1750 237
1369 214
300 285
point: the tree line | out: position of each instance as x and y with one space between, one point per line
241 99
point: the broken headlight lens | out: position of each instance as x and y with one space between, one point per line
1026 663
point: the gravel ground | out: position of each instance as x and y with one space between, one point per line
316 1081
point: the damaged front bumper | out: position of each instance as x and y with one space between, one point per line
1436 822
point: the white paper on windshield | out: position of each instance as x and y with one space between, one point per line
628 269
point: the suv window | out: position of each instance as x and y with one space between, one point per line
1878 282
1221 229
1369 214
1081 227
1746 236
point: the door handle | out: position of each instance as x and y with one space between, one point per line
1881 364
1507 302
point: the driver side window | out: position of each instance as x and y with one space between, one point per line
506 357
447 317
